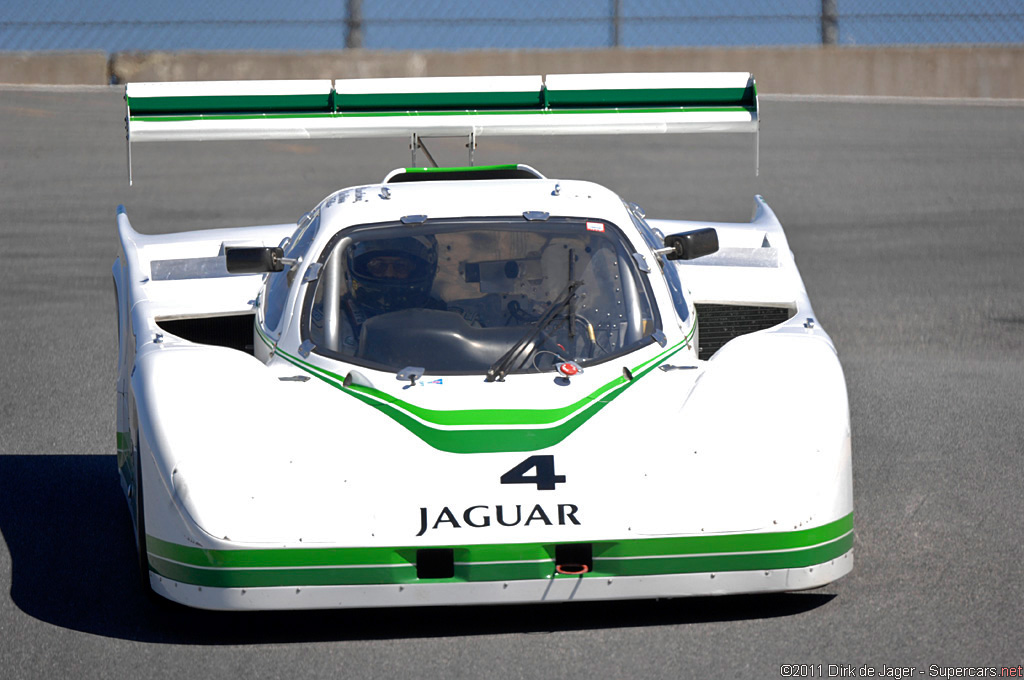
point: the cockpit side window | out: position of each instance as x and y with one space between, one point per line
668 267
279 283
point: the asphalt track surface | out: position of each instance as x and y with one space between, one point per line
907 220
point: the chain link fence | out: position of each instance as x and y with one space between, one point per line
125 25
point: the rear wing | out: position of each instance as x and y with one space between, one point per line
578 104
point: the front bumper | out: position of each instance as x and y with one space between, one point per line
662 567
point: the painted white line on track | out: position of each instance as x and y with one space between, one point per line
36 87
875 99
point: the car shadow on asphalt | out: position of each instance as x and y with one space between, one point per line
67 529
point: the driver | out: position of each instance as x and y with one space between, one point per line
388 275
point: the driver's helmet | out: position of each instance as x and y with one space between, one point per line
386 275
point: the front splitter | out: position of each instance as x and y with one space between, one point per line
560 589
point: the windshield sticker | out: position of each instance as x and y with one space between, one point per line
595 226
421 383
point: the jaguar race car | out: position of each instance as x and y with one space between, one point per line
474 384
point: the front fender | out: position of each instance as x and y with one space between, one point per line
762 441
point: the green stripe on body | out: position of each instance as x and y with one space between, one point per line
124 442
462 168
468 417
251 578
782 540
124 451
500 562
695 564
492 439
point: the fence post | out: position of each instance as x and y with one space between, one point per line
354 23
616 22
829 22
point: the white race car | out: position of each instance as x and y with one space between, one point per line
474 384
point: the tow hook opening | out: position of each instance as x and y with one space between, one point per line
574 559
435 563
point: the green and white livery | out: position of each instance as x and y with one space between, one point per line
476 384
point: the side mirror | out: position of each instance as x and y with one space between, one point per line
254 260
691 244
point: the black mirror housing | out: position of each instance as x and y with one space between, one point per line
692 244
254 260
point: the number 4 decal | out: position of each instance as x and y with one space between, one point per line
545 479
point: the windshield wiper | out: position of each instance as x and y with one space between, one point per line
500 368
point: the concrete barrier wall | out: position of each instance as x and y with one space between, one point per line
996 72
55 68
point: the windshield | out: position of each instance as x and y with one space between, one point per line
454 297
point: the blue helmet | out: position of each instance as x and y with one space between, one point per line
389 274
